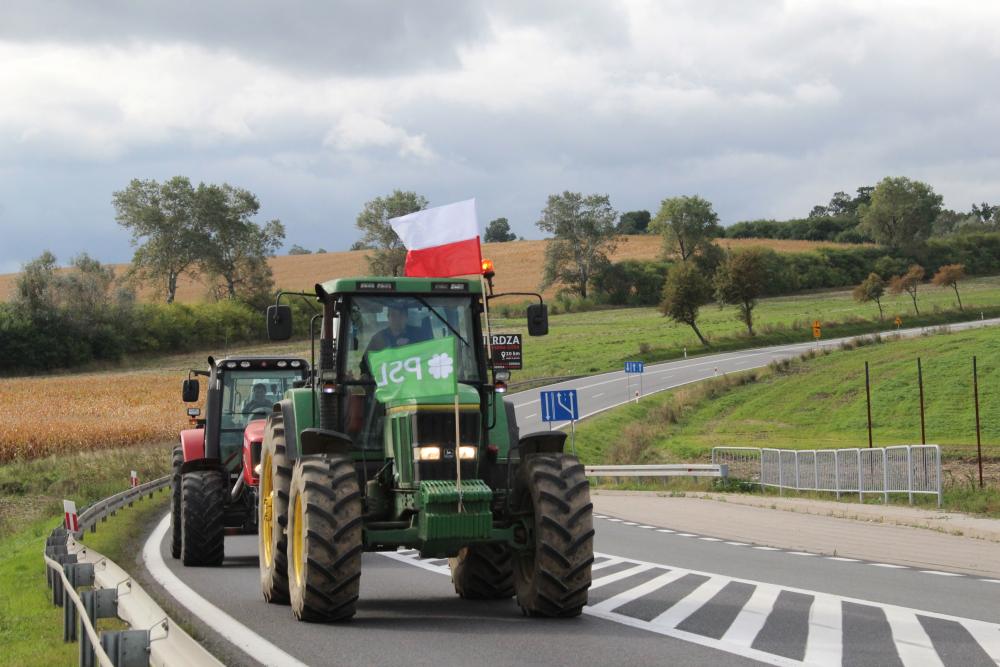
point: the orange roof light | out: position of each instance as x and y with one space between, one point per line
488 268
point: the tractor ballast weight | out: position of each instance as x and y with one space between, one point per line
343 473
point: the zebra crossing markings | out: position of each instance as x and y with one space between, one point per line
799 553
777 625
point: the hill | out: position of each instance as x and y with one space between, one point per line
518 265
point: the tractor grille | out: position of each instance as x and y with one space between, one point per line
437 429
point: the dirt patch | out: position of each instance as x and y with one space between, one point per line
17 511
966 470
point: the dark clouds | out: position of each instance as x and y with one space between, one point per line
764 108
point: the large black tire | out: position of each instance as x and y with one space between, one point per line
176 461
203 526
553 578
324 538
272 508
483 572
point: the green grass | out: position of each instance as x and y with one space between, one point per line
30 626
601 340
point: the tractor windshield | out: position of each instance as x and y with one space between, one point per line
248 395
381 322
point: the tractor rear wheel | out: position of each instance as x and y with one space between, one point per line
203 529
272 509
176 461
324 530
552 578
483 572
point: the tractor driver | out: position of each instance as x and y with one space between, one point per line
397 334
258 401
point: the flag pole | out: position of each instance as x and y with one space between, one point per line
458 457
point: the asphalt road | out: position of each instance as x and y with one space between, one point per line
597 393
659 597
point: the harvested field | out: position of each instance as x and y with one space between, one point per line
518 265
45 416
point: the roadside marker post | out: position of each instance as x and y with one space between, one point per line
561 406
634 367
135 479
69 511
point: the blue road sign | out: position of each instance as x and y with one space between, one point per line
633 366
560 406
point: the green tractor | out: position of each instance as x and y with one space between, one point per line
343 473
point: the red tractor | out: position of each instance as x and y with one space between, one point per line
215 467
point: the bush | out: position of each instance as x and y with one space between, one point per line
632 282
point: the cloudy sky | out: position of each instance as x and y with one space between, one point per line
765 108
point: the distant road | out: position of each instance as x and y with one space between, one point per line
597 393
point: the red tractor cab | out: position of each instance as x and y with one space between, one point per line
215 467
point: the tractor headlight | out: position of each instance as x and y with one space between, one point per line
256 469
466 452
427 454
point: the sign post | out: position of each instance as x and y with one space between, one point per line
816 331
561 406
897 323
634 367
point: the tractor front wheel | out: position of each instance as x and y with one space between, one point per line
272 510
552 578
176 461
203 529
483 572
324 531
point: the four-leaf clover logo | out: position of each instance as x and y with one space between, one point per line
440 366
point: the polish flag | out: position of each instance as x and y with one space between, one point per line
441 242
69 510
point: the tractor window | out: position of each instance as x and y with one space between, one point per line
381 322
250 395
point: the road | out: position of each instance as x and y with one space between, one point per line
660 596
597 393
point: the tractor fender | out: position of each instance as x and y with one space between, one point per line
253 437
193 443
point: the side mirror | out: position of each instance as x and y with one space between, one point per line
189 391
279 322
538 320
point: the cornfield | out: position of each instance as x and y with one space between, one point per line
56 415
518 265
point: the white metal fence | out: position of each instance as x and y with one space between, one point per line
907 469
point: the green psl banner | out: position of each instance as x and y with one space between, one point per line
415 371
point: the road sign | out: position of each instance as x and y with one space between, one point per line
560 406
506 352
633 366
816 327
898 321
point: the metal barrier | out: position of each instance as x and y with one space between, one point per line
695 470
909 469
110 592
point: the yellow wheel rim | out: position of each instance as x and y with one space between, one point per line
298 540
267 505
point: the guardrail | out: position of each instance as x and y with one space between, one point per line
111 592
910 469
695 470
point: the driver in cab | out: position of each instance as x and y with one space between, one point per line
397 334
257 401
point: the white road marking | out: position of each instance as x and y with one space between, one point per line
738 544
691 603
942 574
235 632
752 617
891 566
528 417
824 644
624 574
667 530
637 592
629 523
843 560
912 643
710 539
608 519
799 553
686 535
768 548
596 395
606 563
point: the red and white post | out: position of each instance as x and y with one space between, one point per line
135 479
69 511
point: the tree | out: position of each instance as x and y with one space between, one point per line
165 233
298 250
389 256
908 283
948 276
687 224
321 251
901 213
584 234
360 245
684 293
871 288
741 281
35 287
235 256
498 231
634 222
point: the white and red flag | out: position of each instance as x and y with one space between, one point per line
69 510
441 242
135 478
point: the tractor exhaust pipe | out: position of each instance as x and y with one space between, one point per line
213 413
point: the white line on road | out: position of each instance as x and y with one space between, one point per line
240 635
